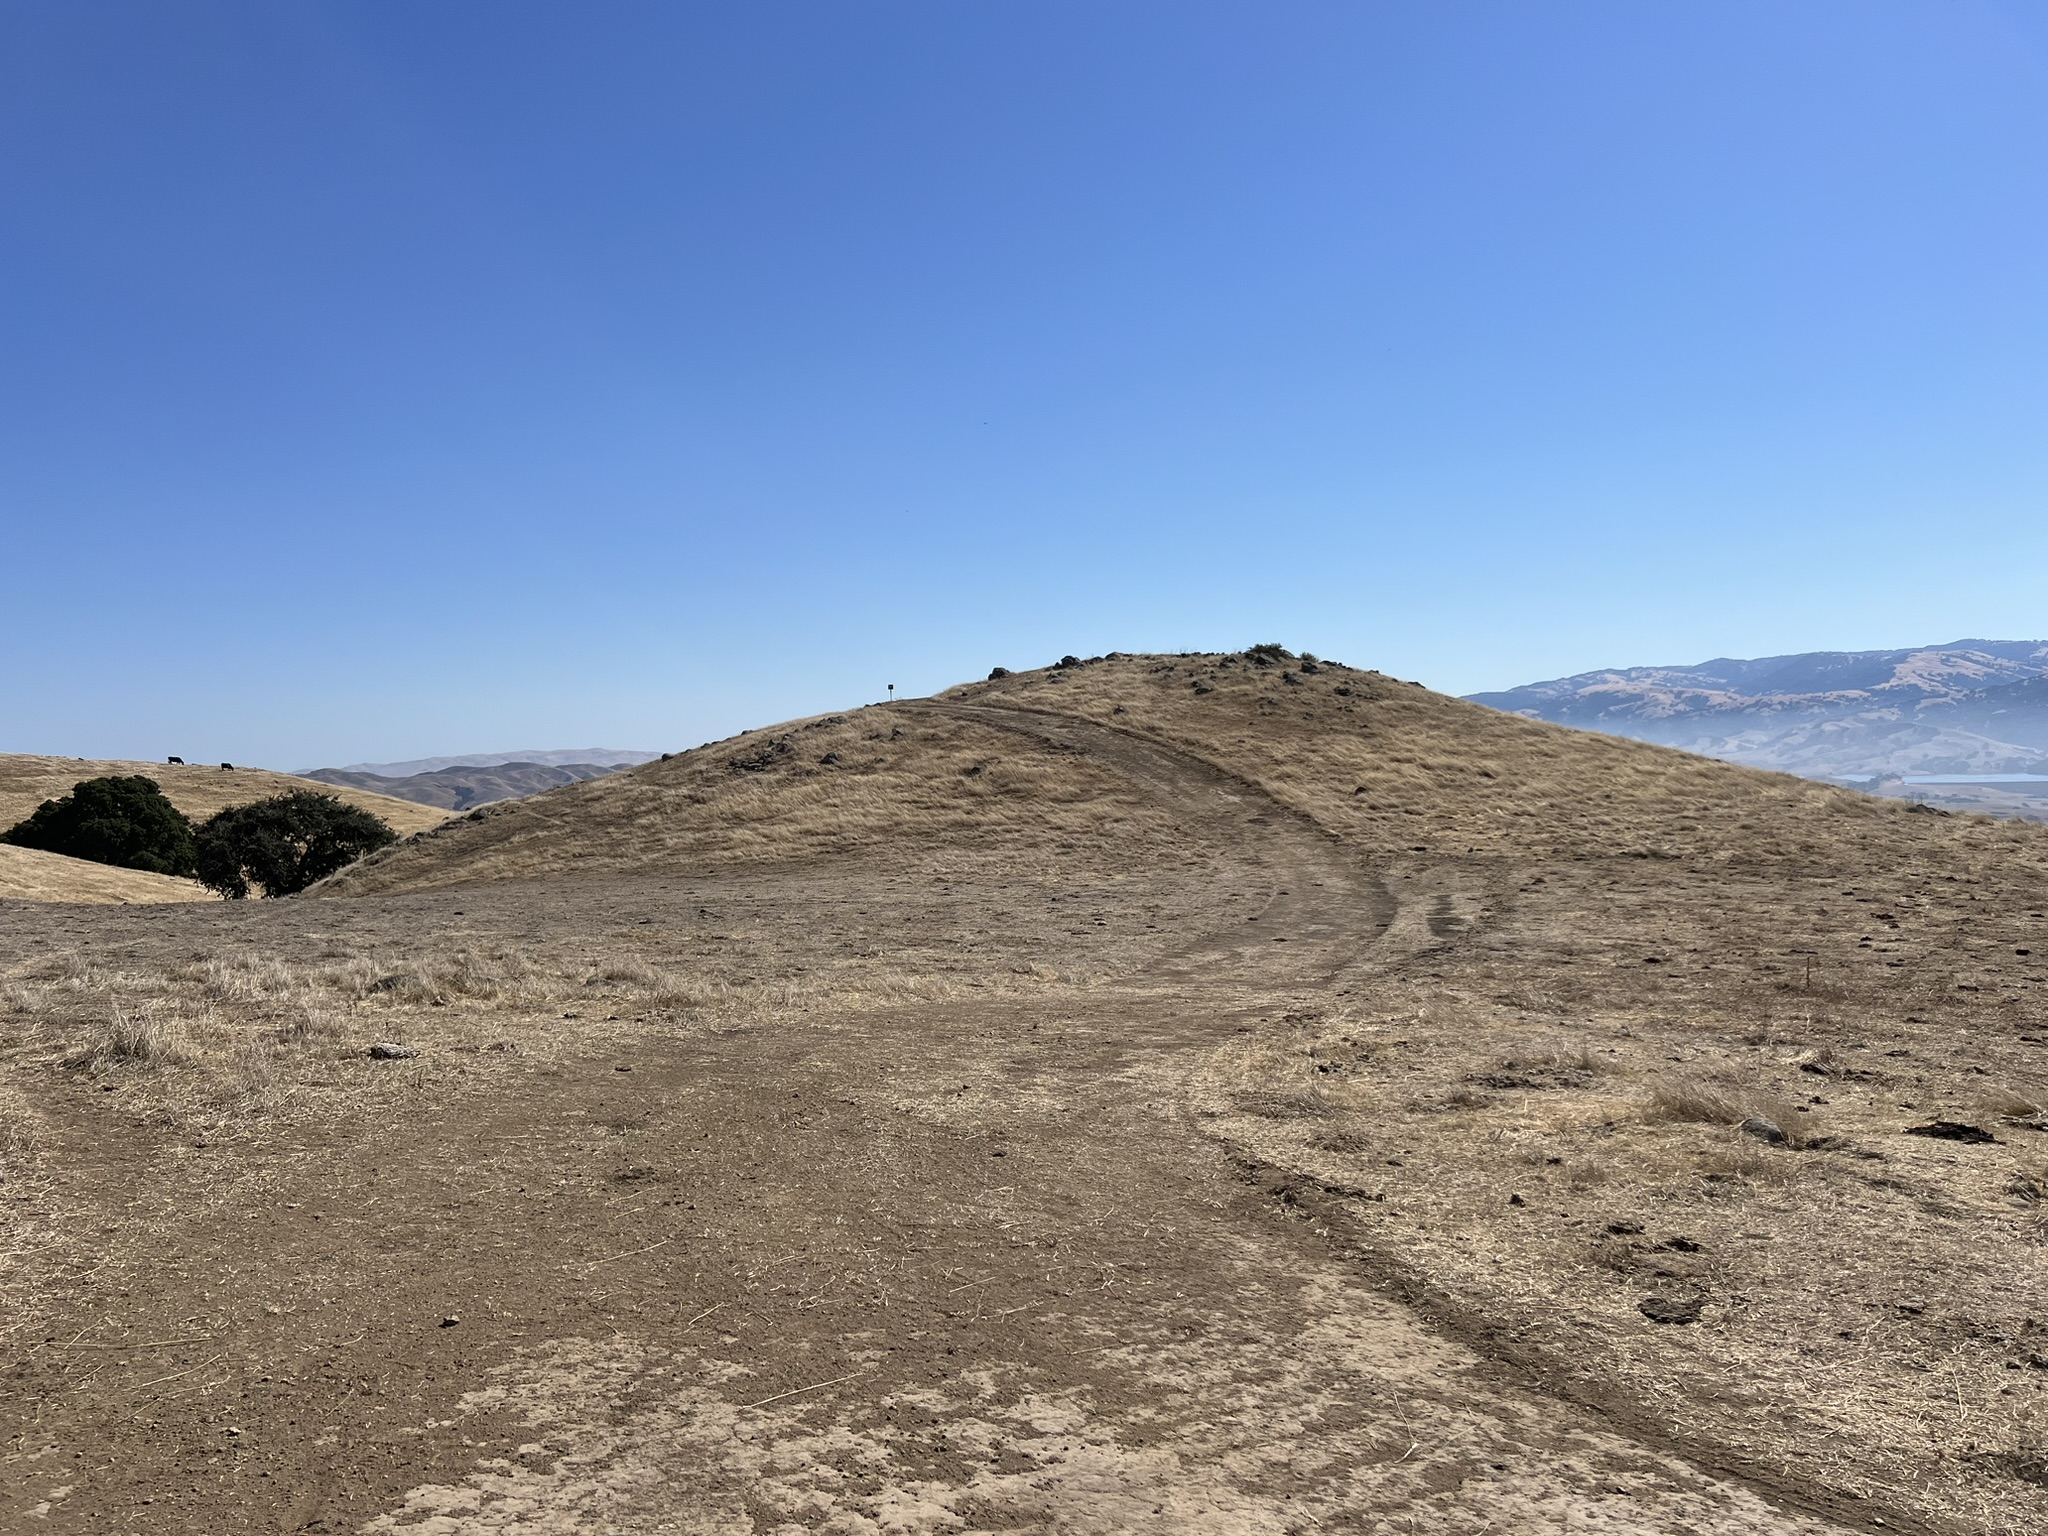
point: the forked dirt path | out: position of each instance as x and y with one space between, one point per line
963 1266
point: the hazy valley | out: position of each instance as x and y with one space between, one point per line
1963 725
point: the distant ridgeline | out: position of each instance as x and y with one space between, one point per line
1896 720
463 787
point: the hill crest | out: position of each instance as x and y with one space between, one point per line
1385 765
464 788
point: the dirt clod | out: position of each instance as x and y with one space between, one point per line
1953 1130
1671 1309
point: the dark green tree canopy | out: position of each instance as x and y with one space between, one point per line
285 843
124 821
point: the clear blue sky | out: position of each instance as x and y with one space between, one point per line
382 380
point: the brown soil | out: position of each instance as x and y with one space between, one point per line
1079 1112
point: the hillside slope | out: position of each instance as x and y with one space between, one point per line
547 757
28 874
1386 765
463 788
197 789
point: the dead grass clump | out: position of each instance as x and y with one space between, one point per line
498 976
1534 1000
308 1027
1344 1143
630 971
485 978
246 979
406 987
251 1075
1688 1099
15 998
70 969
2010 1104
1575 1057
1586 1173
145 1037
2029 1187
1555 1065
2027 1464
352 976
681 996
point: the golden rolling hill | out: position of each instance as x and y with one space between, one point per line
198 790
29 874
1384 765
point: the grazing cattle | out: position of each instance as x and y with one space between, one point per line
227 767
178 760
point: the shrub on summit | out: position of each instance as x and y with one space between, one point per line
285 843
121 820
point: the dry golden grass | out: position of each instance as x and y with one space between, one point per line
27 1212
1392 766
28 874
1388 766
221 1040
899 786
1731 1106
144 1037
197 789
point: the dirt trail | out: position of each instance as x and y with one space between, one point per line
959 1266
1326 908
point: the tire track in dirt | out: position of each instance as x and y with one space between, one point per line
1327 907
1346 915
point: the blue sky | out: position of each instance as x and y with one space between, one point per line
384 380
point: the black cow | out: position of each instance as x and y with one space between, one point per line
178 760
227 767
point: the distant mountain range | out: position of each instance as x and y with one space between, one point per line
603 757
461 787
1971 707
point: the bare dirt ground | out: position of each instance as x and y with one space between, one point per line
1085 1123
